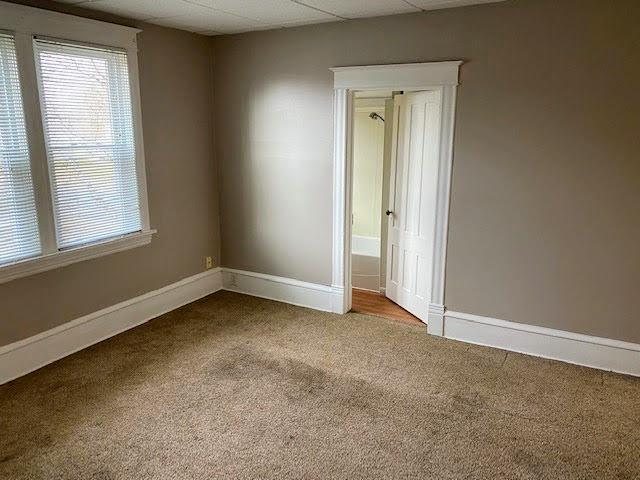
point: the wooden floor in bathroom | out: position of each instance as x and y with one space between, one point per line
373 303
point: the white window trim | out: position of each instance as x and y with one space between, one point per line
68 256
24 23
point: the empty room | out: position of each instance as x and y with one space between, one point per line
314 239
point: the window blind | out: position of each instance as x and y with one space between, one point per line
19 236
88 126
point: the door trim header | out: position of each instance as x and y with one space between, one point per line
397 76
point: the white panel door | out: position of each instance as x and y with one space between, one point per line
412 200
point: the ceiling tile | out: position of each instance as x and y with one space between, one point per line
361 8
142 9
212 17
276 12
437 4
209 33
204 20
300 23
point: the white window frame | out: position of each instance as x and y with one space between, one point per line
24 23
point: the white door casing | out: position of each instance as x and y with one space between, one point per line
413 199
442 76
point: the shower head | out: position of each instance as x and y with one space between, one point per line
374 116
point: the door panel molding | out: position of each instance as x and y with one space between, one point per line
441 76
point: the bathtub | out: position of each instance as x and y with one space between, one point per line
365 262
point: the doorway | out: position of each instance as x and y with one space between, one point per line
371 158
415 273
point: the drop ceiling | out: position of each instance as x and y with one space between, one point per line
218 17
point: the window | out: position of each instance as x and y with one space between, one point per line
19 237
86 111
72 183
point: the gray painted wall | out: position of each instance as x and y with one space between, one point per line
545 217
175 83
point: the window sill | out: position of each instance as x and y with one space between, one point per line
62 258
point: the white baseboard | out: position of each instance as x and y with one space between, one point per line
337 299
435 319
27 355
295 292
24 356
595 352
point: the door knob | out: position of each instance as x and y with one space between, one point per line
388 212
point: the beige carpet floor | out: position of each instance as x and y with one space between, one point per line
237 387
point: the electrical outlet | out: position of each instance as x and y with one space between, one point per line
209 262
